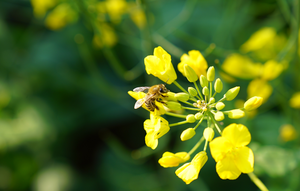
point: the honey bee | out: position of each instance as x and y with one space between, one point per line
154 94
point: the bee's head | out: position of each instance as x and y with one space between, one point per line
163 89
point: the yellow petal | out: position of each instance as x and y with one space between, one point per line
219 147
171 160
237 134
195 60
244 159
151 140
227 169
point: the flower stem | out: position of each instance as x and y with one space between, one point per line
215 123
180 87
196 146
200 121
188 103
210 89
175 115
189 108
198 90
257 182
178 123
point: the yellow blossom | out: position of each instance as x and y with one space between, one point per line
159 65
155 128
288 132
195 60
295 100
259 39
137 15
230 152
190 171
241 66
114 8
40 7
261 88
172 160
62 15
253 103
272 69
107 37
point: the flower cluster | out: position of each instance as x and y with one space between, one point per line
194 105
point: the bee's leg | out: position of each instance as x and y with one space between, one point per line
154 105
160 101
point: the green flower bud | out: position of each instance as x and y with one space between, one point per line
253 103
208 133
203 81
211 74
211 100
218 85
190 118
205 91
219 116
171 96
189 73
187 134
220 105
232 93
236 114
192 91
182 96
198 116
173 105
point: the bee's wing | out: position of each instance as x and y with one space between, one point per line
139 103
141 89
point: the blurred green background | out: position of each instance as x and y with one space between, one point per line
67 122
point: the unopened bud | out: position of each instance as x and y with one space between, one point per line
232 93
219 116
198 116
182 96
208 133
203 81
236 114
171 96
253 103
211 74
187 134
218 85
211 100
190 118
220 105
189 73
173 105
205 91
192 91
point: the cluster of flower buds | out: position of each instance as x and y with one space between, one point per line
194 105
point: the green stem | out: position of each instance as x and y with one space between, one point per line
178 123
210 89
196 146
188 103
214 121
198 90
189 108
205 146
182 89
257 182
175 115
200 121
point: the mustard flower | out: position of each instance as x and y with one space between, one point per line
114 8
253 103
230 152
172 160
259 87
40 7
195 60
190 171
272 69
107 37
155 128
159 65
288 132
295 100
137 15
62 15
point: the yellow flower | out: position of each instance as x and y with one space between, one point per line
195 60
114 8
288 132
40 7
272 69
159 65
137 15
155 128
295 100
241 66
60 16
230 152
253 103
171 160
190 171
108 36
259 39
261 88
